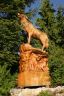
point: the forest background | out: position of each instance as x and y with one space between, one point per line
49 20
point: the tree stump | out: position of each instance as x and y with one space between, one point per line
33 67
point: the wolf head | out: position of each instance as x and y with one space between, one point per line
22 16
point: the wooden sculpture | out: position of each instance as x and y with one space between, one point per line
33 63
33 67
32 31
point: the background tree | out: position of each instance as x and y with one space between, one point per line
10 39
11 36
52 24
60 24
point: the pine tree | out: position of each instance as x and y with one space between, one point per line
10 39
52 24
47 13
60 24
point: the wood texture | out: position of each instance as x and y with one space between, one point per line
33 67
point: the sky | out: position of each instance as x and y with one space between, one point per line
36 5
56 4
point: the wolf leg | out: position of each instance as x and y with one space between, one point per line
29 37
43 47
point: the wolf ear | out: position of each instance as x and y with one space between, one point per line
18 14
26 17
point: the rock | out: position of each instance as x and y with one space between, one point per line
57 91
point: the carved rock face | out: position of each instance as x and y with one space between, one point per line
33 67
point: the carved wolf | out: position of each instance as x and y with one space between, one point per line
32 31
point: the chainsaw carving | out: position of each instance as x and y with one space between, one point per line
33 63
33 67
32 31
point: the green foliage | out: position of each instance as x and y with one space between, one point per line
45 93
47 14
7 80
56 64
60 24
10 39
11 36
36 43
13 6
8 55
52 24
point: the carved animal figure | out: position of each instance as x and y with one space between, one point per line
32 31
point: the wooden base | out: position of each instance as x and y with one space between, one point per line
33 78
33 67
